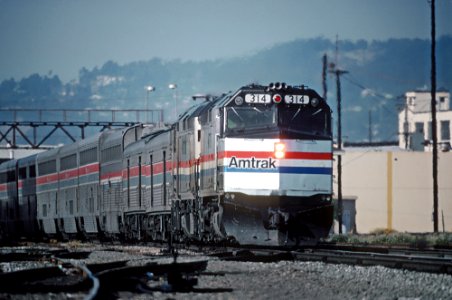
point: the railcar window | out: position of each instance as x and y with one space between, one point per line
111 153
3 177
23 173
88 156
47 167
32 171
68 162
240 118
11 176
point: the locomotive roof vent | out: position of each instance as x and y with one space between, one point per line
277 86
206 97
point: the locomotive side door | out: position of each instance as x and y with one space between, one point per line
191 162
219 164
178 165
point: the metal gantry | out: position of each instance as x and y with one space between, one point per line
23 124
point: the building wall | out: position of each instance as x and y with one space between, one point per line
417 110
394 189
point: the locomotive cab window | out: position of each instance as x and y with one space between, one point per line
241 118
306 120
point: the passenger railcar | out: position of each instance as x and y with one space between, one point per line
147 178
254 166
26 184
47 185
9 206
88 186
67 194
112 144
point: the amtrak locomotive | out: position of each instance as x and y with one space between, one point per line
252 166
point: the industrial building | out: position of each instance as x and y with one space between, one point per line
392 187
415 121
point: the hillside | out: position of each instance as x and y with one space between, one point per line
379 72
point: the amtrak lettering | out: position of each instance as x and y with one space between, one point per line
253 163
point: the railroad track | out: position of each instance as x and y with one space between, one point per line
67 272
427 260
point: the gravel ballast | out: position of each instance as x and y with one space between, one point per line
315 280
276 280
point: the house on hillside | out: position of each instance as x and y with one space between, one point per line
415 121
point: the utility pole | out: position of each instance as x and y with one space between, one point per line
338 72
434 132
324 69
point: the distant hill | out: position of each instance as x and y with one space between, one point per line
379 72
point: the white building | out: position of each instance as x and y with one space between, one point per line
415 121
393 189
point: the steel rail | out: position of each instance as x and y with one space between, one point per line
431 261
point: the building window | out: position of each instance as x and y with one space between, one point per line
419 127
445 130
430 135
443 104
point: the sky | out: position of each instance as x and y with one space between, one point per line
59 37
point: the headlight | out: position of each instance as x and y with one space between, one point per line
238 100
315 102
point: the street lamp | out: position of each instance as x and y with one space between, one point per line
149 89
173 86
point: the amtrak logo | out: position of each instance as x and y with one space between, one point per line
252 163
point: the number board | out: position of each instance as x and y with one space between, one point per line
296 99
257 98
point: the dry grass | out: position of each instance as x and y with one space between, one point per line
382 236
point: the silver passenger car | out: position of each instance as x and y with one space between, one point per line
8 199
47 192
88 188
147 178
27 197
112 144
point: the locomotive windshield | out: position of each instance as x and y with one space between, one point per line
302 121
248 117
305 120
